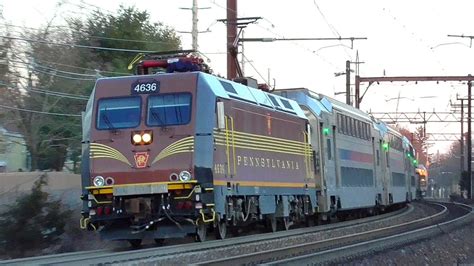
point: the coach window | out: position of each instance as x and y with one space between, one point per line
116 113
339 126
328 146
359 129
356 128
362 129
346 124
378 157
169 109
353 129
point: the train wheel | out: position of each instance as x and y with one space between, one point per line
221 231
135 243
286 223
201 232
309 221
272 222
159 241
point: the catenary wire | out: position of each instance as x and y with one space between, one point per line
38 112
77 45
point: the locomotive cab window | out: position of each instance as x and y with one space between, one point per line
286 104
169 109
116 113
274 101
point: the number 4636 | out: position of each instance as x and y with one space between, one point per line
147 87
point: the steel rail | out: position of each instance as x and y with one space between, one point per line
375 245
325 245
112 256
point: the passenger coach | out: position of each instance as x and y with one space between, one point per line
362 163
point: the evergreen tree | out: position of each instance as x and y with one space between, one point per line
34 222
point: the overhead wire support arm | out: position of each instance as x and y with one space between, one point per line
352 39
233 39
244 21
463 36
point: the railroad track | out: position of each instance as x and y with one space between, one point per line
342 248
150 254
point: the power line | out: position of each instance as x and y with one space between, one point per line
83 68
34 64
331 27
62 71
38 112
61 76
96 7
52 69
282 36
78 45
47 92
254 68
94 36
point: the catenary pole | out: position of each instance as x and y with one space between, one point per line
469 136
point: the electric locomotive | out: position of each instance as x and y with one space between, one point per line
172 154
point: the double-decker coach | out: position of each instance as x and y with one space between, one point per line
361 162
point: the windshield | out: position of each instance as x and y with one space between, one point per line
115 113
169 109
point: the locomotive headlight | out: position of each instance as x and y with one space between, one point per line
137 138
146 137
98 181
184 176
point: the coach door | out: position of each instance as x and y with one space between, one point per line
384 160
328 155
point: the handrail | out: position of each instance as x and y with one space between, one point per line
227 144
233 144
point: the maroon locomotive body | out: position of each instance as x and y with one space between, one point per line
167 155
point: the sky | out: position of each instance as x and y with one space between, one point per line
404 38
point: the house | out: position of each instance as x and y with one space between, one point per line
14 156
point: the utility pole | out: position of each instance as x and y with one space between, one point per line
232 48
348 82
348 78
462 130
194 31
469 135
462 136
